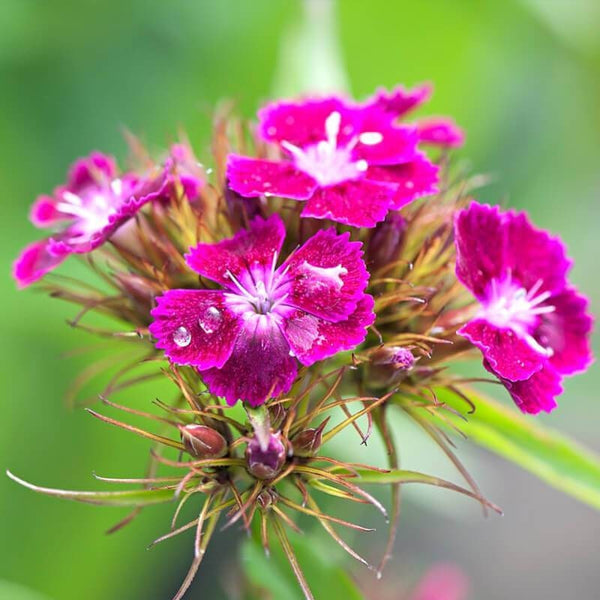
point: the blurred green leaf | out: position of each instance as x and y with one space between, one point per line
548 454
323 573
118 498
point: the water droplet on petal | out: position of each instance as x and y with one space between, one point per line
292 354
211 320
182 337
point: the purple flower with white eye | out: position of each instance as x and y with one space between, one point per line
246 338
348 161
532 326
87 211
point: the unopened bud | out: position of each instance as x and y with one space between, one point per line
308 441
397 357
265 464
266 498
203 442
386 241
390 364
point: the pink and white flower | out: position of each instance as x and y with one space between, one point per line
247 337
349 162
85 212
532 326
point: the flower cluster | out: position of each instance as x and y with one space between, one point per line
329 271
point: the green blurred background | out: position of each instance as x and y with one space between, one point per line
521 76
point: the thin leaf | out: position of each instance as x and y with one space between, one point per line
120 498
546 453
402 476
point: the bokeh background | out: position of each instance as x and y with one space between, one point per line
521 76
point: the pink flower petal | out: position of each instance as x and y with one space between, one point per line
385 145
253 177
195 327
508 354
479 235
359 203
44 213
567 331
260 365
90 170
302 123
253 247
326 276
533 254
535 394
33 263
399 101
413 179
440 131
313 339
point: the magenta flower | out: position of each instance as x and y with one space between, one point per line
86 211
532 327
246 338
349 162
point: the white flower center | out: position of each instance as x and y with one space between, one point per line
92 208
509 305
325 161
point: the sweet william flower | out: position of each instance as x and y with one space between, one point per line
85 212
532 326
246 338
349 162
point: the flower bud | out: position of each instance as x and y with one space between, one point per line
390 364
386 241
308 441
203 442
266 498
265 463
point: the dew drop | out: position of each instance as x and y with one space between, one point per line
292 354
211 320
182 337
